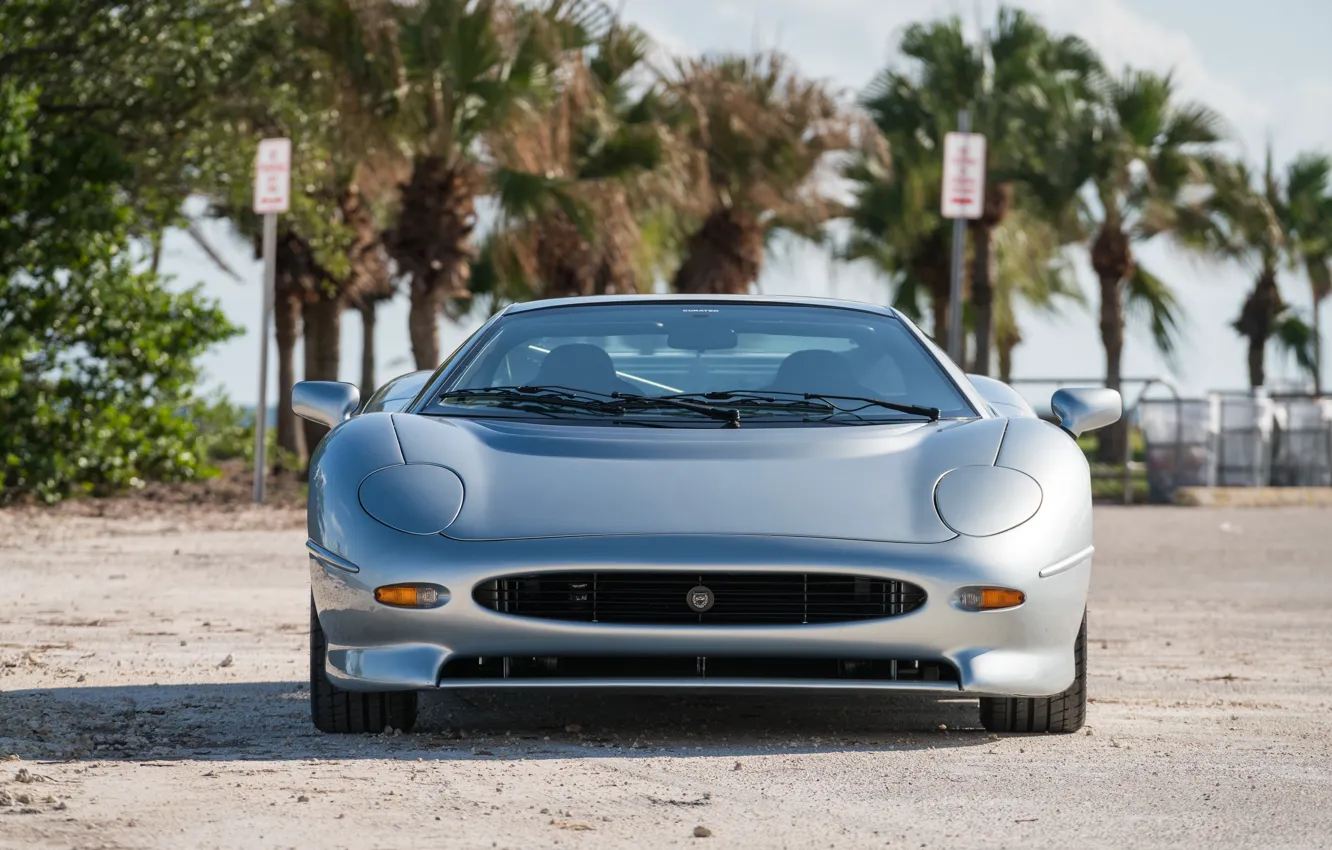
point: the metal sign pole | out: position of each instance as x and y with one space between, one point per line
955 286
272 195
261 407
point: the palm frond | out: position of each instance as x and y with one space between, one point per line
527 197
911 296
1319 270
764 132
1294 338
196 235
1149 299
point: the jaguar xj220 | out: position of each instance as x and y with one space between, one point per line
699 492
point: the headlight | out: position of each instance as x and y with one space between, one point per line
979 501
416 498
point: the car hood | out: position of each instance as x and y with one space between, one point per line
864 482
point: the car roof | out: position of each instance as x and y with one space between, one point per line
649 298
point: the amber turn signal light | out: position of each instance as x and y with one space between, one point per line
409 596
989 598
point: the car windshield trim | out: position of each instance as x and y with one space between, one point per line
894 363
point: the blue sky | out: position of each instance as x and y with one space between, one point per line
1265 66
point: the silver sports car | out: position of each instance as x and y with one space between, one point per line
699 492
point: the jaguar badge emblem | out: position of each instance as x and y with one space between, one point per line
700 599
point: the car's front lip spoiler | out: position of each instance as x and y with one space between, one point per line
697 683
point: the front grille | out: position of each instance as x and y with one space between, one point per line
689 667
664 598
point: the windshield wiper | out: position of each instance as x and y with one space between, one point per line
559 397
932 413
728 414
914 409
590 401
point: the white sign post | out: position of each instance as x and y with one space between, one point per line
963 198
272 195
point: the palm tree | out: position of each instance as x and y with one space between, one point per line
1011 81
762 132
466 66
1259 232
369 281
1031 268
310 62
1150 159
352 166
897 228
1309 219
576 180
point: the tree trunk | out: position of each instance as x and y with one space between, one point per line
939 306
724 256
432 244
369 276
566 263
1317 349
323 340
157 252
1256 323
1005 363
998 201
1004 345
368 308
1111 442
931 264
287 317
982 295
423 325
1112 259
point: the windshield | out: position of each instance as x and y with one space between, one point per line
759 359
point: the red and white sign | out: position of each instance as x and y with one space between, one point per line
964 175
272 176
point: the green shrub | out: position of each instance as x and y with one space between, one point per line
97 371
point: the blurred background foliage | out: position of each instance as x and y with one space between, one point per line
465 154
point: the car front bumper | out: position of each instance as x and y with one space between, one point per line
1022 651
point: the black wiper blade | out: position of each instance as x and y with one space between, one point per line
588 400
528 390
914 409
556 396
727 414
765 396
756 397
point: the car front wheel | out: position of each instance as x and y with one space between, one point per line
335 710
1063 712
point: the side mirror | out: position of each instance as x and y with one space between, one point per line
330 403
1083 409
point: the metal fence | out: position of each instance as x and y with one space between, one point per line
1236 440
1110 478
1227 439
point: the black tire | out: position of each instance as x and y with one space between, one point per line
1062 713
335 710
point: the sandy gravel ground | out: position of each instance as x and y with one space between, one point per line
152 694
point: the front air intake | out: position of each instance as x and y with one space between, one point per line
719 599
683 669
